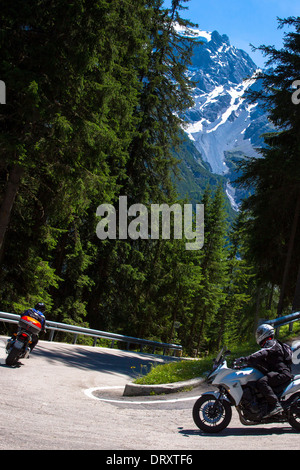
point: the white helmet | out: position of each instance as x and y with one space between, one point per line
264 331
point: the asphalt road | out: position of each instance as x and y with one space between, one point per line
67 397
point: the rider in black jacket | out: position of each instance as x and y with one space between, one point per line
38 312
271 361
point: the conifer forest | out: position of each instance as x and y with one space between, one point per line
95 97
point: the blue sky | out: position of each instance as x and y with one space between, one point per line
244 21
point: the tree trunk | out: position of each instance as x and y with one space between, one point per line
257 307
269 306
10 192
221 329
296 300
289 256
201 332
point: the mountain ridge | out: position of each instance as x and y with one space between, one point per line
223 125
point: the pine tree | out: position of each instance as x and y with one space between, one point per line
72 89
236 323
210 294
133 298
164 95
274 207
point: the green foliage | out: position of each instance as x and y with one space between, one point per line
40 278
95 95
189 369
175 372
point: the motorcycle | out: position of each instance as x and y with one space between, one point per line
212 412
17 346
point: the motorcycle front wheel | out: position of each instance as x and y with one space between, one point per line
211 415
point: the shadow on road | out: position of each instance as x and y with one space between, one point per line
97 359
245 431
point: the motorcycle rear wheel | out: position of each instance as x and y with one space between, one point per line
211 416
12 357
294 415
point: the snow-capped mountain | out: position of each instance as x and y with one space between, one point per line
223 125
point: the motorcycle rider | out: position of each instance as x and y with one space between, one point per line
38 313
270 360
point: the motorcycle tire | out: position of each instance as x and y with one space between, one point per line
294 415
13 357
211 417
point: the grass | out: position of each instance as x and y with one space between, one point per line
190 369
174 372
186 369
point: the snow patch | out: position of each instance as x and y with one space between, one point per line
230 191
192 32
237 97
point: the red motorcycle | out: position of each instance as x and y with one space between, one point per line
17 346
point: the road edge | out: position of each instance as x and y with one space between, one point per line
132 389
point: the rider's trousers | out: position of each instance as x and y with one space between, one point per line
267 382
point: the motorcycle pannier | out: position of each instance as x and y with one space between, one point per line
30 324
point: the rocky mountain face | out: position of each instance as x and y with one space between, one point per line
222 126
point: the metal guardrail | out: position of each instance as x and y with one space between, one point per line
281 321
285 320
96 334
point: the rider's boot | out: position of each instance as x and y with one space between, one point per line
275 410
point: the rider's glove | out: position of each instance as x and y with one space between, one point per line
240 360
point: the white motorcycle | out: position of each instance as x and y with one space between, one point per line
212 412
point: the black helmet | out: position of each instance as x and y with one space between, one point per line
40 306
263 332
